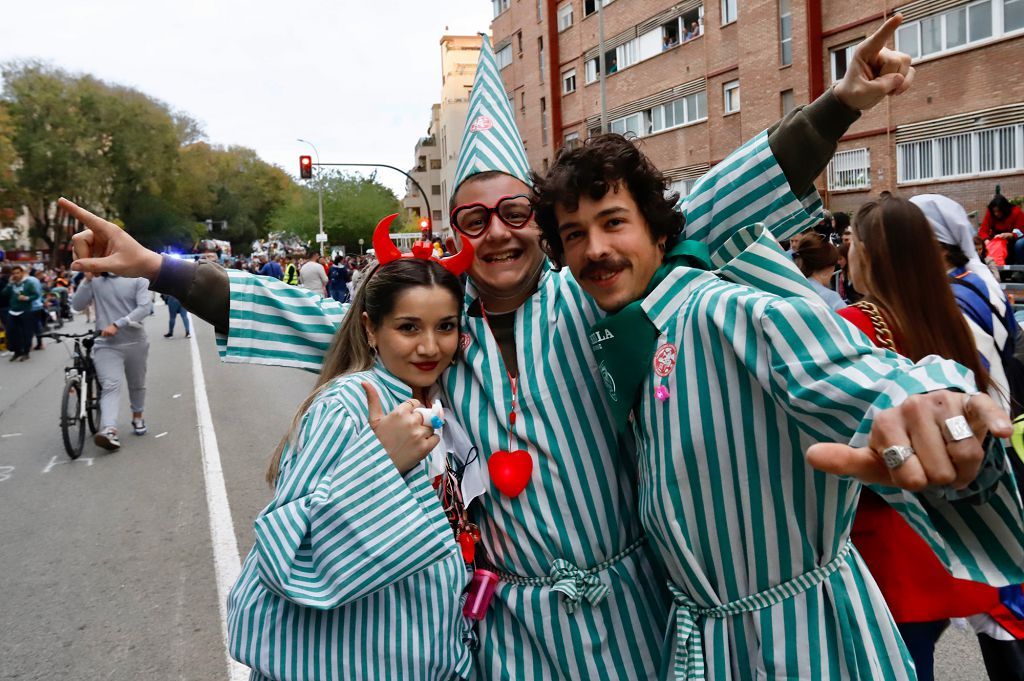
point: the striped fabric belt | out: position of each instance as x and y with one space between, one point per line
573 582
689 651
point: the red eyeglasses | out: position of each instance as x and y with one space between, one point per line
473 219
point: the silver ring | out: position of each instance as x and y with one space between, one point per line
897 455
958 429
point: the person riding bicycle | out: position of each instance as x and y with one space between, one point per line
122 303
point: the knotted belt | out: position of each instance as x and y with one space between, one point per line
688 658
576 584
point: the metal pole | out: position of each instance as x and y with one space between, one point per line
320 194
601 65
382 165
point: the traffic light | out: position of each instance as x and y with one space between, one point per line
305 167
424 224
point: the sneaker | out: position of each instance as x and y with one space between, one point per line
139 426
23 358
188 335
107 439
168 335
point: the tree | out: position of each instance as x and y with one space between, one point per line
353 204
9 199
111 147
232 185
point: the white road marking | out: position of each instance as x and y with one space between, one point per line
61 461
226 561
11 435
174 397
162 434
5 472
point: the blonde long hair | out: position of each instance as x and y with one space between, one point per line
350 350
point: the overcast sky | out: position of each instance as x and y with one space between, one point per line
355 77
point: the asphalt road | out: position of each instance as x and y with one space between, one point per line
107 566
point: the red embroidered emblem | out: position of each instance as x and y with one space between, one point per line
665 359
464 341
481 123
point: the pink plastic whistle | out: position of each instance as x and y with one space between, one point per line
481 591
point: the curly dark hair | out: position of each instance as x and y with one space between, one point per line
592 170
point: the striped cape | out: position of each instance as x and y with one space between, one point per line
733 509
579 511
355 573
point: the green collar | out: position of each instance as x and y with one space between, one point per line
623 343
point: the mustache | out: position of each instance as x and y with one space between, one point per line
607 264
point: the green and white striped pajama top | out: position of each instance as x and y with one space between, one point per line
355 573
731 506
583 597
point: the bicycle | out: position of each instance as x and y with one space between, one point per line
79 407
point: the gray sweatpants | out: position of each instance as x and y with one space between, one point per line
116 362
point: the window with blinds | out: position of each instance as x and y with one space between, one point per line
850 169
992 150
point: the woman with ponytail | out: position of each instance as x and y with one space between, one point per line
356 572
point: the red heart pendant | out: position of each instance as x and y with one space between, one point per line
510 471
468 546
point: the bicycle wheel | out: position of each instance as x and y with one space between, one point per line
72 426
92 402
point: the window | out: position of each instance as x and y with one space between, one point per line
565 16
499 6
728 11
519 41
503 57
435 189
522 102
437 215
731 96
960 27
991 150
543 121
631 124
591 69
681 187
572 140
850 169
435 164
681 111
540 58
626 55
785 33
788 101
841 58
540 9
569 81
1013 15
590 6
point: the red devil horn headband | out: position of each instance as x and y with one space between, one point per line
387 251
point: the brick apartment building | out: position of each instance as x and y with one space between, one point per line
694 79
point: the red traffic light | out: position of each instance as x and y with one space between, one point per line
305 167
424 223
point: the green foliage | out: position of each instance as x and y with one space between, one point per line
353 204
126 156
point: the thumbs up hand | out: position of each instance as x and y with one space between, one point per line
402 433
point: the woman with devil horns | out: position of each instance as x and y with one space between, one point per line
356 571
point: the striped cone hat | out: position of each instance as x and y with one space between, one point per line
491 140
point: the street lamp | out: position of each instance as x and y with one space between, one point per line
360 245
322 238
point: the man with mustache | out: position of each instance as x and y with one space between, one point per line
725 367
580 595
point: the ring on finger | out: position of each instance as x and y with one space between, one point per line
958 429
897 455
